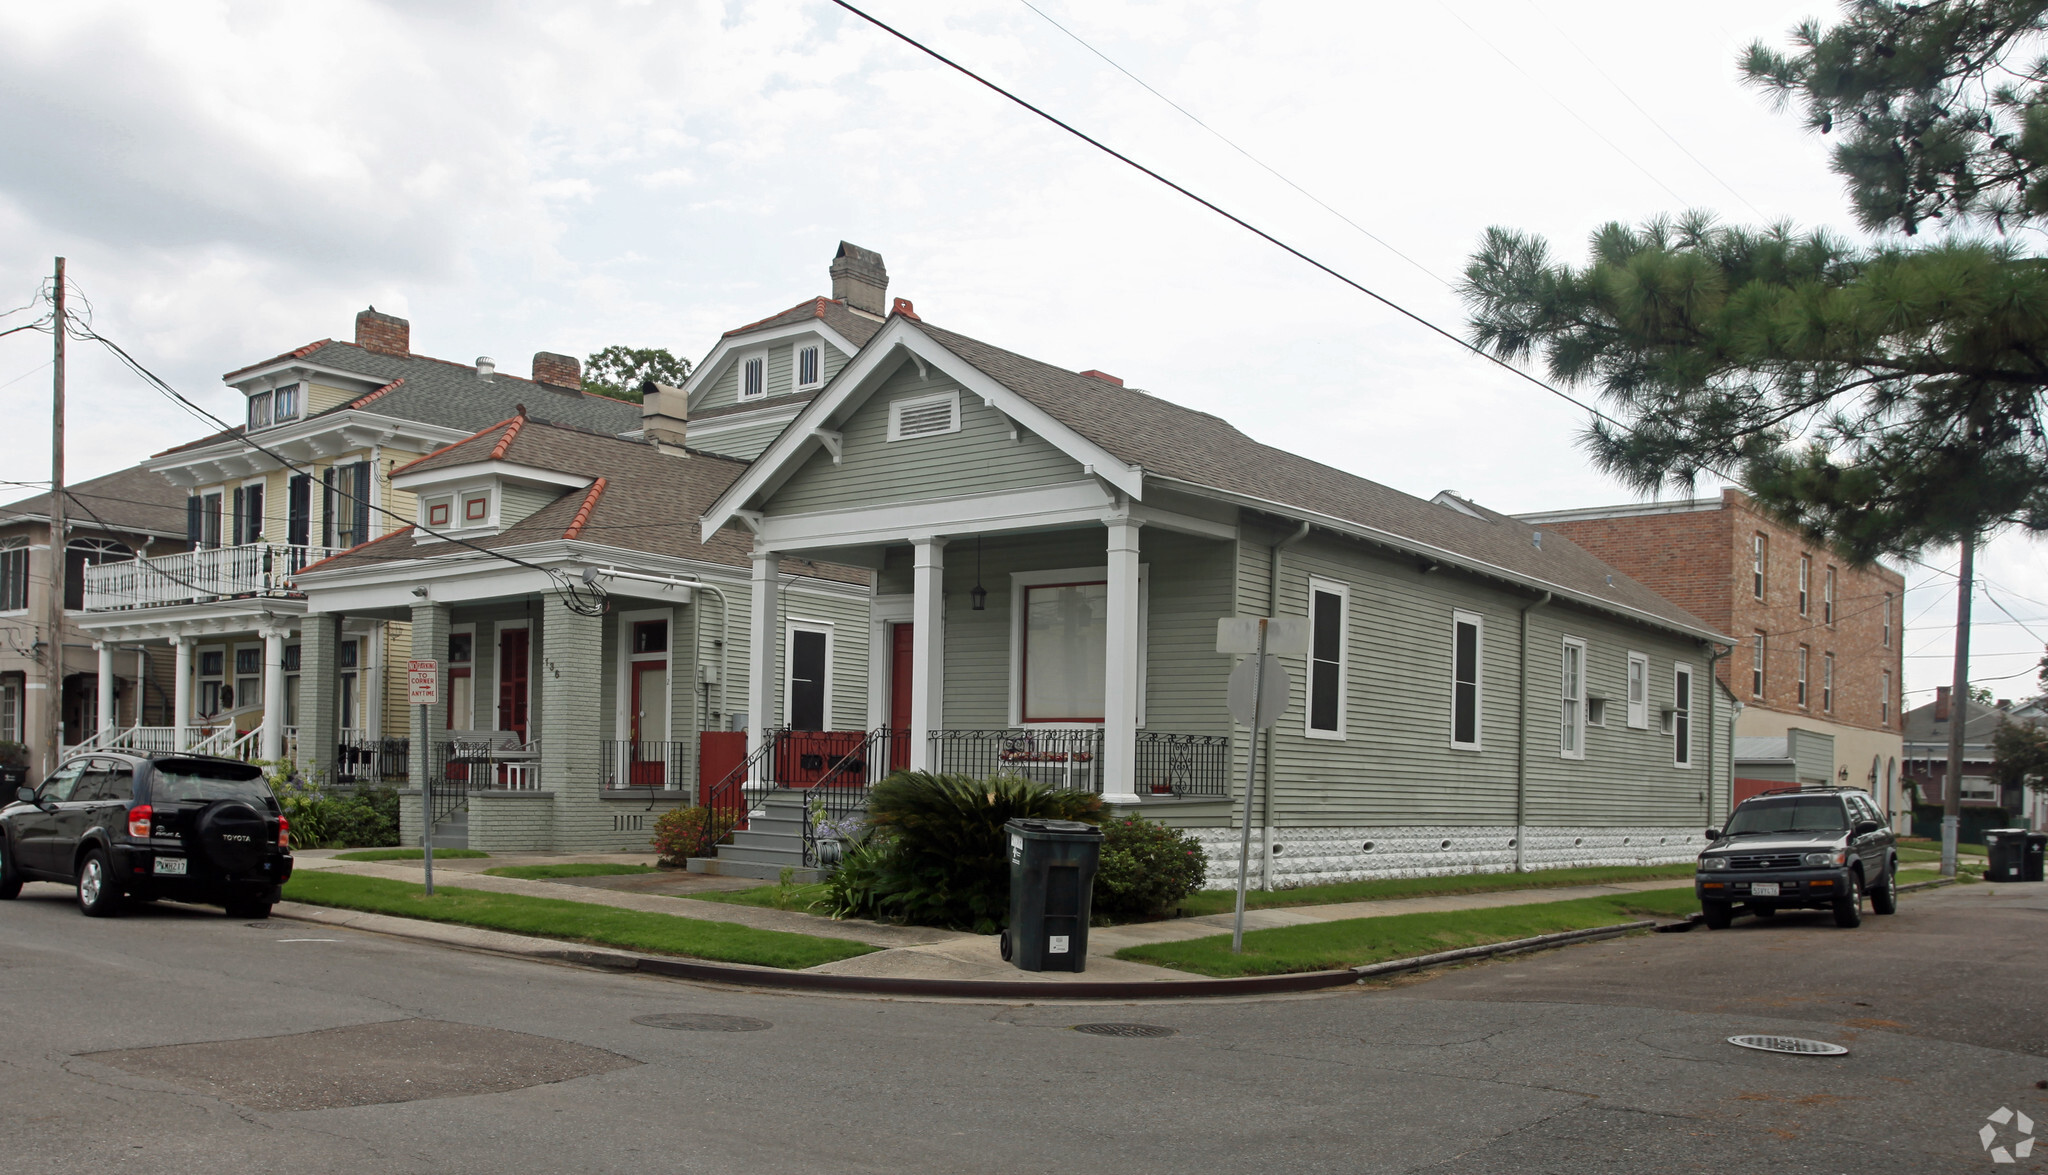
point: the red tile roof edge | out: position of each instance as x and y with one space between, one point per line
298 353
817 311
505 442
406 529
454 444
583 511
379 392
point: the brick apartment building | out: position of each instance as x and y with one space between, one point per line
1821 638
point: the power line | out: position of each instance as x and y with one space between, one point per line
1228 142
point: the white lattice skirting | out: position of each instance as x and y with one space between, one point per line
1313 856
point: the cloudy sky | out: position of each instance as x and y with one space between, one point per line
232 180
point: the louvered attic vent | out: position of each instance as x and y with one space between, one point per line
924 416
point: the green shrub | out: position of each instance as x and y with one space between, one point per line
365 819
13 754
682 833
938 854
1146 868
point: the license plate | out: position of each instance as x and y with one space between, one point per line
1764 889
171 865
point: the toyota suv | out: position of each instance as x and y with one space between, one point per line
1799 848
118 826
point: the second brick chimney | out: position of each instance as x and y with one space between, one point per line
1941 703
664 417
557 371
860 280
385 333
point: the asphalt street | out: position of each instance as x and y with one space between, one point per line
179 1041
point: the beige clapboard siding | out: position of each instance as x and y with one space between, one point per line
744 443
1396 765
979 458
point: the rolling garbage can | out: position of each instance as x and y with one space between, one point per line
2007 850
2037 848
1052 886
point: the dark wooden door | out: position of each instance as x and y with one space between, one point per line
512 684
900 645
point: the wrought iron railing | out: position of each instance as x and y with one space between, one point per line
1182 764
251 569
1068 758
363 760
839 794
630 764
487 764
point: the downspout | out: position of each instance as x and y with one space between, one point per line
1522 742
1266 782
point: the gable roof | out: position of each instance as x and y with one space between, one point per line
133 500
641 499
833 312
1202 453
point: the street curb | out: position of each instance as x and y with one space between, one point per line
1912 886
521 946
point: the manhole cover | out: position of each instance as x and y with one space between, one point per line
1788 1044
702 1022
1125 1029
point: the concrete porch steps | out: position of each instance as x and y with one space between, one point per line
772 841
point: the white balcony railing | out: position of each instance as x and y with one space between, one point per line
252 569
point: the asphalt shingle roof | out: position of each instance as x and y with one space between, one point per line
1168 440
854 327
130 499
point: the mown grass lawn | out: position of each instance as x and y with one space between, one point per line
1223 901
1324 946
1914 854
410 855
665 934
769 897
550 872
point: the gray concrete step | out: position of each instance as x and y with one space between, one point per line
759 856
723 867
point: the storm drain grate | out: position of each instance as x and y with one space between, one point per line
1125 1030
1797 1046
702 1022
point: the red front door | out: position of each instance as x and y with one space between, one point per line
512 649
899 695
650 723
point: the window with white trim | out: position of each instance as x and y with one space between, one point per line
807 682
259 411
1065 638
1887 620
1827 596
13 688
1758 651
1571 726
212 677
284 403
753 377
1467 642
809 366
1639 691
1760 547
1681 715
248 677
1329 613
1827 682
1805 581
1805 654
13 578
1884 701
924 416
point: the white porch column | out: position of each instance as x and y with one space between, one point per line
1120 671
273 693
106 691
181 695
764 637
141 685
927 650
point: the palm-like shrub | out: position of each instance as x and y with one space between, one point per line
937 854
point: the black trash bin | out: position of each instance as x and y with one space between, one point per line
1052 886
10 779
2007 850
2037 848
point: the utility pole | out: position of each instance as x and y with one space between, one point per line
53 653
1958 710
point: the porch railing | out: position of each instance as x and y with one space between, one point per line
840 759
251 569
1193 765
359 760
631 764
1065 758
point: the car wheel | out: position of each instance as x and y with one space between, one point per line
97 896
10 881
1849 910
1718 915
1764 911
1885 898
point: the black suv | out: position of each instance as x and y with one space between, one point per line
1802 848
186 827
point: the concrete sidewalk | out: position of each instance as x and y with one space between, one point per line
920 952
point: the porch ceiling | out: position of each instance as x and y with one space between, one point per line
207 619
1059 507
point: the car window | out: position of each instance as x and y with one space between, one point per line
58 788
107 781
1790 814
178 780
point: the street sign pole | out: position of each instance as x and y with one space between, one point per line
1251 768
423 688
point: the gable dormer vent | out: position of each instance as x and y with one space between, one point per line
924 416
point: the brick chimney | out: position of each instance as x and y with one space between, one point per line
385 333
557 371
860 280
664 417
1941 703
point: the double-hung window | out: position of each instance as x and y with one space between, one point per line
1066 642
1827 682
1805 655
810 366
1467 633
1329 607
1884 700
1639 691
1827 596
13 578
1757 652
1681 715
346 660
1887 620
1571 727
1805 582
212 682
248 677
1760 547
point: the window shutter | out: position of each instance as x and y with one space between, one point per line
327 507
192 509
362 503
298 509
236 527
